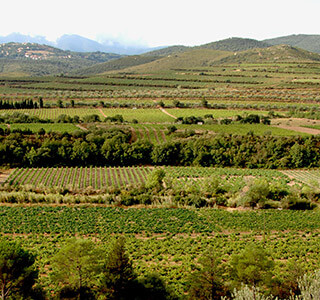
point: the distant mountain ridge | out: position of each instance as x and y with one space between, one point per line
303 41
33 59
77 43
235 44
277 53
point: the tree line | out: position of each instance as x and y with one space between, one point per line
27 103
116 147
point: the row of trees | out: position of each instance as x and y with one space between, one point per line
28 103
17 117
115 147
83 270
209 119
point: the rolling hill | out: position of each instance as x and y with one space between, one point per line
115 65
35 59
303 41
31 59
235 45
279 53
168 51
194 58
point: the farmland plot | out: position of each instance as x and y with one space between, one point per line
310 177
78 178
54 113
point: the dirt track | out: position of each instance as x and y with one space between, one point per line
296 124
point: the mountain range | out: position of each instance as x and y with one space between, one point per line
77 43
35 59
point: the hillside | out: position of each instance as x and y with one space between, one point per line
35 59
235 45
303 41
34 51
279 53
168 51
77 43
115 65
190 59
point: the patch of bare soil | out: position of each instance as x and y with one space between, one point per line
4 174
101 111
82 127
296 124
164 111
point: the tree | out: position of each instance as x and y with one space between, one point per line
76 267
155 179
40 102
152 287
257 194
252 267
17 271
206 283
204 103
60 103
118 281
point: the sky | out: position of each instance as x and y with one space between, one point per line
161 23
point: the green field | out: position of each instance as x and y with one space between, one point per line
141 115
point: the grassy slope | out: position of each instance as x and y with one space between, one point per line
118 64
167 51
303 41
235 45
188 59
280 53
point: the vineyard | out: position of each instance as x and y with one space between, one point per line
167 241
79 177
310 177
100 178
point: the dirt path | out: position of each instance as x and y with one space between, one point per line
296 124
300 129
82 127
101 111
164 111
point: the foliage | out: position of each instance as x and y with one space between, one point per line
119 279
309 286
252 267
17 271
155 179
76 265
249 293
207 281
